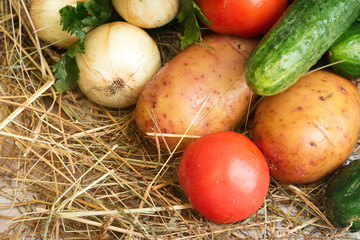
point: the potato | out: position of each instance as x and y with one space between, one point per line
309 130
209 75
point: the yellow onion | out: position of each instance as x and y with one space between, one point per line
46 18
119 60
147 13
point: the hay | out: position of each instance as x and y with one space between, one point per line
71 169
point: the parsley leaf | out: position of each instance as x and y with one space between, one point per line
75 20
67 73
99 12
77 47
71 19
191 31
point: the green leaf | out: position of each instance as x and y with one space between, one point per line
187 17
75 48
75 20
67 73
71 19
99 12
85 14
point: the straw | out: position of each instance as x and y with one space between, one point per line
71 169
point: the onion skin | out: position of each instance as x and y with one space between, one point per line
45 16
119 60
147 13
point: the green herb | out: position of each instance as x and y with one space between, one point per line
191 32
76 20
96 12
66 70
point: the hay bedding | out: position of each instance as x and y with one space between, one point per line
71 169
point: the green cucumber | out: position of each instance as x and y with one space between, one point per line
347 49
297 41
342 197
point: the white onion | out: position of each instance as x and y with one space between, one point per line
46 18
119 60
147 13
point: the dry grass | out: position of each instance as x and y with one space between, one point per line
70 169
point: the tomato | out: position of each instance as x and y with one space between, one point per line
245 18
225 176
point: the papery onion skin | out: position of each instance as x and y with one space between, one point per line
46 18
119 60
147 13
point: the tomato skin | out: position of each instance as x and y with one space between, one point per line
245 18
225 176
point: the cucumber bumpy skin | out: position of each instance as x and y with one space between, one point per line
347 47
297 41
342 197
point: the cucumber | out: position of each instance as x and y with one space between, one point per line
297 41
342 197
347 48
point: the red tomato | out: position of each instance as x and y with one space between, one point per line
225 176
245 18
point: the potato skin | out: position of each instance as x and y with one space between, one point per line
176 93
309 130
